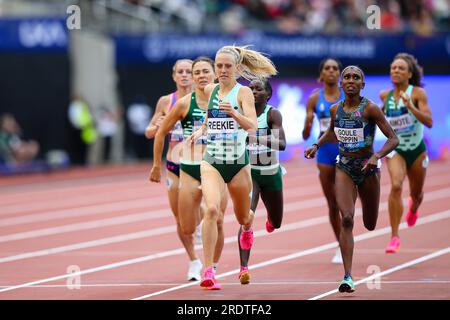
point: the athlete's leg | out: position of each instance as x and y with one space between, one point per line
172 191
213 188
273 201
397 172
369 193
220 233
189 200
346 197
244 255
416 176
240 188
327 176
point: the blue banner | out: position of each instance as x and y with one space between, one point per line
33 34
166 48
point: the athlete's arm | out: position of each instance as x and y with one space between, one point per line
374 113
157 118
328 136
383 96
178 112
310 106
199 132
422 112
247 120
204 127
277 140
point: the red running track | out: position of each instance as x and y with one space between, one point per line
107 233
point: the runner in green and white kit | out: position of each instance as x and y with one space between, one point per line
190 111
407 111
265 168
231 113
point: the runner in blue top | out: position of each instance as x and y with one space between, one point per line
319 103
353 122
406 108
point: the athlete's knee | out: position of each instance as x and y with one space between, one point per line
187 229
417 197
396 188
220 222
347 220
212 212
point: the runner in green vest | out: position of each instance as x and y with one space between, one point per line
267 174
231 113
406 108
190 111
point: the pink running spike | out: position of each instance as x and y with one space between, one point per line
246 239
269 227
244 276
393 245
411 217
208 279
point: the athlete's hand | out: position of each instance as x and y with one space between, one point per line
195 136
310 153
160 120
228 108
371 164
155 174
406 98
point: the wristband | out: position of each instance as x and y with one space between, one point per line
317 146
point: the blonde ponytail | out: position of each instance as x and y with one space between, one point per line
250 63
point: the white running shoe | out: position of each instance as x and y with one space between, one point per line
198 234
195 269
337 259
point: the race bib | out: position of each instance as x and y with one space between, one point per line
350 138
402 123
221 126
176 134
324 124
255 148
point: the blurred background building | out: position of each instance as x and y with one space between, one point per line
89 90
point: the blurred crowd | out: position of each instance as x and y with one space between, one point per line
423 17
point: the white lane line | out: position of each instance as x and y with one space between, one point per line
234 283
368 235
391 270
433 195
129 218
85 211
147 202
305 204
144 203
45 214
427 219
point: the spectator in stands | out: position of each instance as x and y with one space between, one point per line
81 130
13 149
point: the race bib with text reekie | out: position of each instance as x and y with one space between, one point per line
221 126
